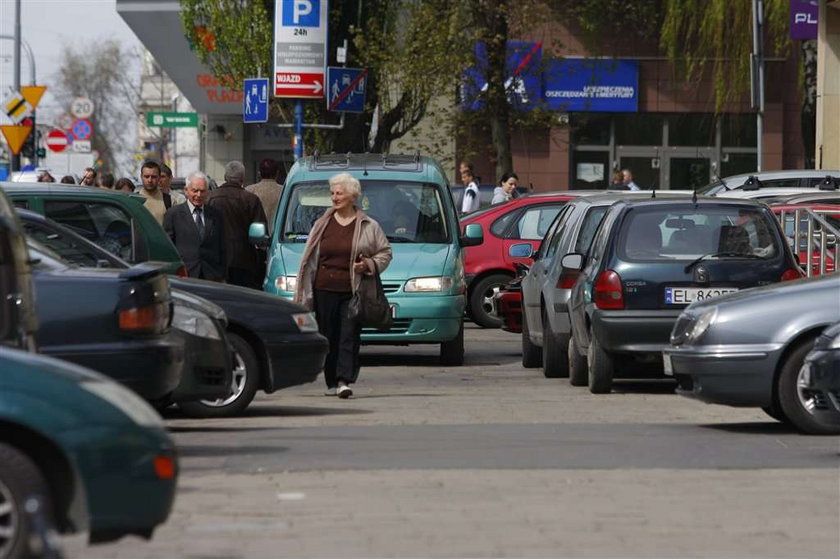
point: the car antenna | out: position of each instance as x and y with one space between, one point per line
723 182
694 196
653 190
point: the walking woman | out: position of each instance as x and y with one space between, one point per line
506 189
343 245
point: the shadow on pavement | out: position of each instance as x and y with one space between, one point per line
764 428
296 411
220 451
213 429
648 386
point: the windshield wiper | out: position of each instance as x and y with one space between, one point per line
693 263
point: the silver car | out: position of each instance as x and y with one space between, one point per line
793 178
747 349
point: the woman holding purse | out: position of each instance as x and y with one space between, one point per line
343 245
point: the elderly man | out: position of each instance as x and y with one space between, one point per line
198 232
268 190
239 208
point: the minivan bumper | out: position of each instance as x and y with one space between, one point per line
421 319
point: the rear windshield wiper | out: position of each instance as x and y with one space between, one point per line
693 263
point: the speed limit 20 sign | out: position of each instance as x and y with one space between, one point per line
82 107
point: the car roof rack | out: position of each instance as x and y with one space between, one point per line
365 161
752 183
829 183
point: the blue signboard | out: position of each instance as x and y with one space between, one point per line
346 89
255 100
523 82
301 13
592 85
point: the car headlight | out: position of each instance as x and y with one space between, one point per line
701 325
435 283
305 321
194 322
835 342
285 283
126 401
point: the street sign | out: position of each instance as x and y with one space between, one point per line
81 146
17 107
346 89
15 136
300 48
33 94
65 121
82 129
57 140
255 100
81 107
171 120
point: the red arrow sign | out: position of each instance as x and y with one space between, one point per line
57 140
298 85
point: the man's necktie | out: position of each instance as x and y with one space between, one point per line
199 222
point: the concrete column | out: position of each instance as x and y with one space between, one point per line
828 86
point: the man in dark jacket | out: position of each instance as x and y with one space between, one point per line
239 208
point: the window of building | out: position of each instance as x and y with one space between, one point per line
590 129
638 129
691 129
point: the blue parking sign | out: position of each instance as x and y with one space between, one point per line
255 100
301 13
346 89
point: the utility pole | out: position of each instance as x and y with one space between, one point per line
757 77
16 158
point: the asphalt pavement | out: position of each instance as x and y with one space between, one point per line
492 460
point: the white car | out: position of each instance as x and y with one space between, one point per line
796 179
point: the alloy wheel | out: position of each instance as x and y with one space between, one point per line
9 520
240 372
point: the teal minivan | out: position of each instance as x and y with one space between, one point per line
409 196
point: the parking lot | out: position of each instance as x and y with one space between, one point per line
491 459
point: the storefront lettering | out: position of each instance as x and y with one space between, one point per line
218 91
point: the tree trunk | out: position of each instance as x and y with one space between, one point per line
498 108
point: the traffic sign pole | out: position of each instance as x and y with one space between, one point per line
298 130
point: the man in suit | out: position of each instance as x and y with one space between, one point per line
198 231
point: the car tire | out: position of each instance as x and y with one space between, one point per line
481 300
21 481
246 380
792 400
531 354
452 352
775 412
600 368
578 373
555 362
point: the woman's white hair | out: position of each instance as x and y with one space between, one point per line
350 183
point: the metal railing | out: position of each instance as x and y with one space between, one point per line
813 238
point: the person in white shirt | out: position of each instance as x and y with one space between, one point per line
628 180
471 202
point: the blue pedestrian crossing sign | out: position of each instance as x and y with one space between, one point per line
346 89
255 100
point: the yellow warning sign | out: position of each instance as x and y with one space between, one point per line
17 107
15 136
33 94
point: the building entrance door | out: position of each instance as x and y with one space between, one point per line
688 169
644 164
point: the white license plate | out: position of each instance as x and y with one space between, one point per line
666 361
686 295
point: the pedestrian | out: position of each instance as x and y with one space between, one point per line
268 190
45 176
240 209
88 177
164 186
124 185
106 180
343 245
628 180
68 179
198 232
506 190
617 181
155 202
471 201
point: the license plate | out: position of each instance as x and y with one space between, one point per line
686 295
666 362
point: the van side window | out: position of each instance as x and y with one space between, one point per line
107 225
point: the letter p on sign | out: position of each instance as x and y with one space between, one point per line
301 13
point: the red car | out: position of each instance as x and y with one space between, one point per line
820 234
509 306
488 266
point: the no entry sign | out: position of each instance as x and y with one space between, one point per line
57 140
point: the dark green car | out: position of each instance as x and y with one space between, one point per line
116 221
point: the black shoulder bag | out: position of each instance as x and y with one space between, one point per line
369 306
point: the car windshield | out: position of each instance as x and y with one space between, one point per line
409 212
671 233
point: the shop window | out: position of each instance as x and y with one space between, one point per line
738 130
638 129
590 170
590 129
693 129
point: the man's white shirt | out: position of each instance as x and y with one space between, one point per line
471 200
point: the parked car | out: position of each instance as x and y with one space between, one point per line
793 178
485 194
547 286
747 349
116 221
814 239
811 197
766 195
649 260
820 375
489 266
275 343
508 301
409 197
18 315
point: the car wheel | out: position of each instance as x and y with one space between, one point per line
452 352
482 310
555 362
796 401
600 368
531 354
245 381
578 374
26 518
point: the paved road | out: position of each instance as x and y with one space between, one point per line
491 459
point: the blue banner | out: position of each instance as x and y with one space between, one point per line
591 85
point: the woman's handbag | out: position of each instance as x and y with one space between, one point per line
369 306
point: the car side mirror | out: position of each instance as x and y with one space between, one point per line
572 261
521 250
473 235
258 235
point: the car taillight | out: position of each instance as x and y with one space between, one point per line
164 467
151 319
792 274
607 292
567 279
182 272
